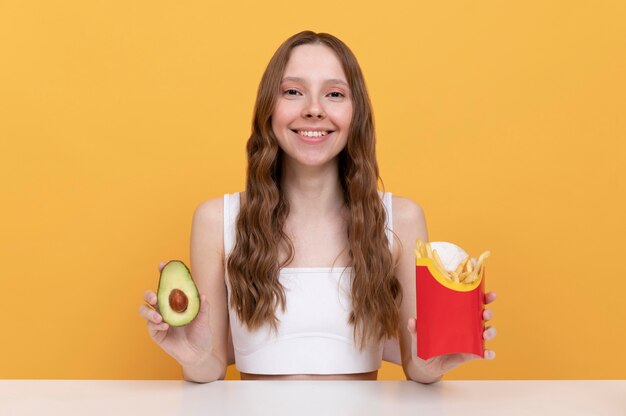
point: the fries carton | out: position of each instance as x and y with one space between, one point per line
450 301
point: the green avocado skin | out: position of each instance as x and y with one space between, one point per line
176 275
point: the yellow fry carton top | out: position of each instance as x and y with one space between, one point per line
450 265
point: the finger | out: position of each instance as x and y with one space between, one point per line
411 326
490 354
203 313
162 265
204 305
487 314
158 332
490 297
149 314
451 361
489 333
150 297
154 328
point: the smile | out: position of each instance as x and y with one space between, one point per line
312 133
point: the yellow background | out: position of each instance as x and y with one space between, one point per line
504 120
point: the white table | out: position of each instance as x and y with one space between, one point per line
295 398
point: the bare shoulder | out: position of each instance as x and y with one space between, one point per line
409 224
211 210
406 211
208 224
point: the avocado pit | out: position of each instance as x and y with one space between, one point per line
178 300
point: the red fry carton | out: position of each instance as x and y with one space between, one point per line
449 314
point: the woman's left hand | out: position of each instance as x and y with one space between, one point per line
441 364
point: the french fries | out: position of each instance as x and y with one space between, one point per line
466 272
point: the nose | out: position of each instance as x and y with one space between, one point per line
313 110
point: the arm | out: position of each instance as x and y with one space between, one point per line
391 351
207 265
411 225
200 347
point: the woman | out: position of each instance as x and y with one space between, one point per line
310 270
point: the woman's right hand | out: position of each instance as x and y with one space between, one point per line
189 344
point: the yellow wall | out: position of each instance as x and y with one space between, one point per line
505 120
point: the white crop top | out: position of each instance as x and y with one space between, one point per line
314 336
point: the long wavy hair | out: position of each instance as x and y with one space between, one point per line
253 265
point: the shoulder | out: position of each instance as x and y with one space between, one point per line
406 211
409 224
207 229
210 211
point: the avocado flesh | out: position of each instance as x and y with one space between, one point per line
176 275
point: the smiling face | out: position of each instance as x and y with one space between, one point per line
313 111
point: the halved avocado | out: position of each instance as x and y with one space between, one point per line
177 296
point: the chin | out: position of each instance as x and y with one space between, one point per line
314 162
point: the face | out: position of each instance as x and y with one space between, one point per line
312 116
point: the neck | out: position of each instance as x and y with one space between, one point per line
312 191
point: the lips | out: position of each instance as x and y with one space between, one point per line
312 132
312 135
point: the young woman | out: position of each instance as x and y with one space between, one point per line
310 271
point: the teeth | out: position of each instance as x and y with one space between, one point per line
312 133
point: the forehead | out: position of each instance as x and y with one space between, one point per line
314 62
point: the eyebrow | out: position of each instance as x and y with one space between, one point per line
328 81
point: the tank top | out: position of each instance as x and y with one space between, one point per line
314 335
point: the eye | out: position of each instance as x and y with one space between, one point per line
335 94
291 92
